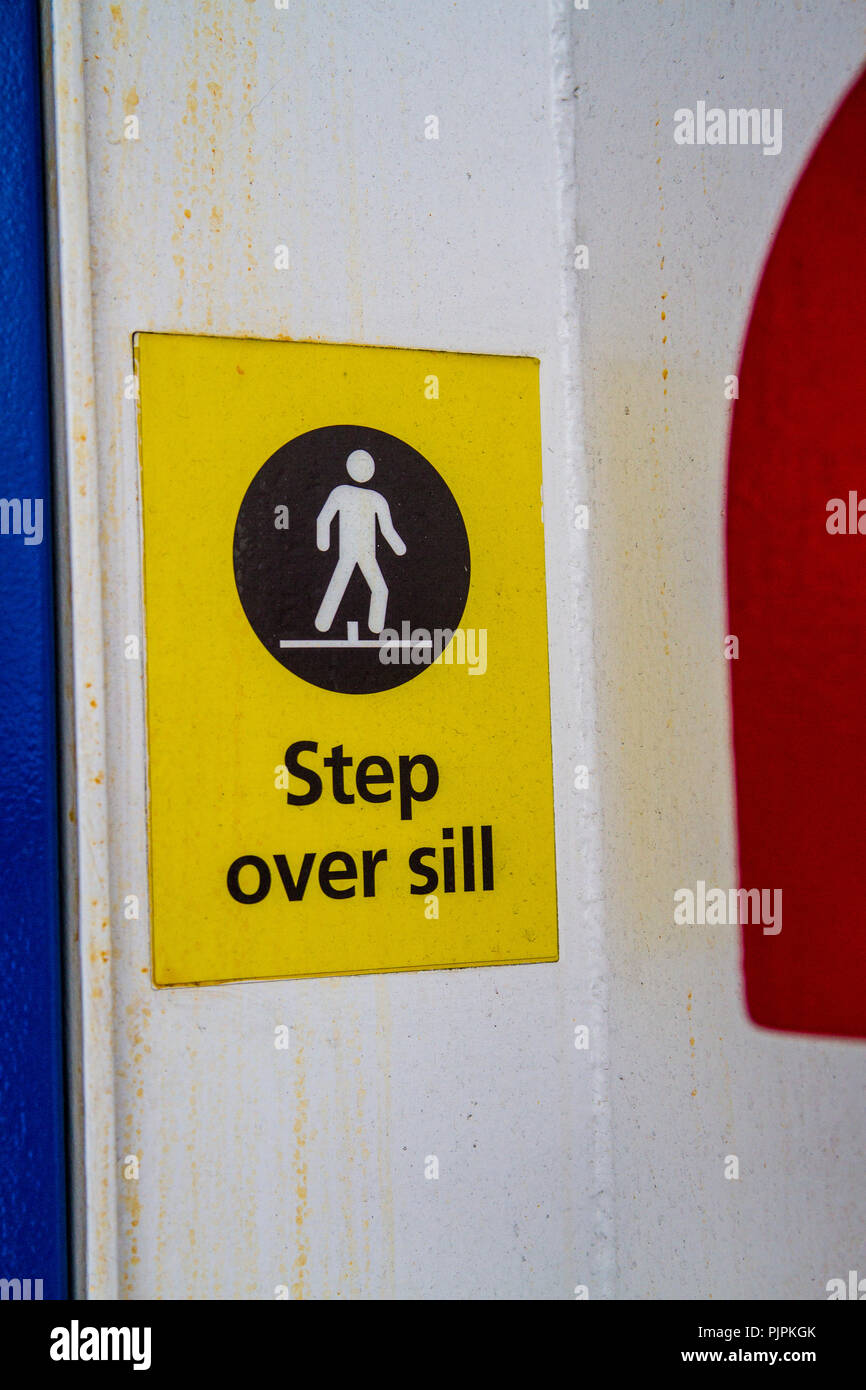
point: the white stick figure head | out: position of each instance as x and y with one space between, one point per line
360 466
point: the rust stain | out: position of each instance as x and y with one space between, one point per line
383 1130
120 37
130 1202
301 1273
191 115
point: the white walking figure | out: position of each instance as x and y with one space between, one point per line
358 509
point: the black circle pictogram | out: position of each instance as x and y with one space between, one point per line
395 570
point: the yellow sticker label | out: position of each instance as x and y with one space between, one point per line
346 652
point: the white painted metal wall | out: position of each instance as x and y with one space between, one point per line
558 1167
691 1080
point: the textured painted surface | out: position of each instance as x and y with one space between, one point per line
32 1200
84 806
305 1167
678 236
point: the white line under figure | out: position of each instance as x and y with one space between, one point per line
358 509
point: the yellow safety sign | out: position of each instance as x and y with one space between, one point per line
346 659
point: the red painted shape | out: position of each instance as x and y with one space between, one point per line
797 598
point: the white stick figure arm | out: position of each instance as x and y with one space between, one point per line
323 521
383 512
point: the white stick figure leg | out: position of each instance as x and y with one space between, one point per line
369 567
334 594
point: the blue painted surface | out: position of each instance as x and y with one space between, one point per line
32 1198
